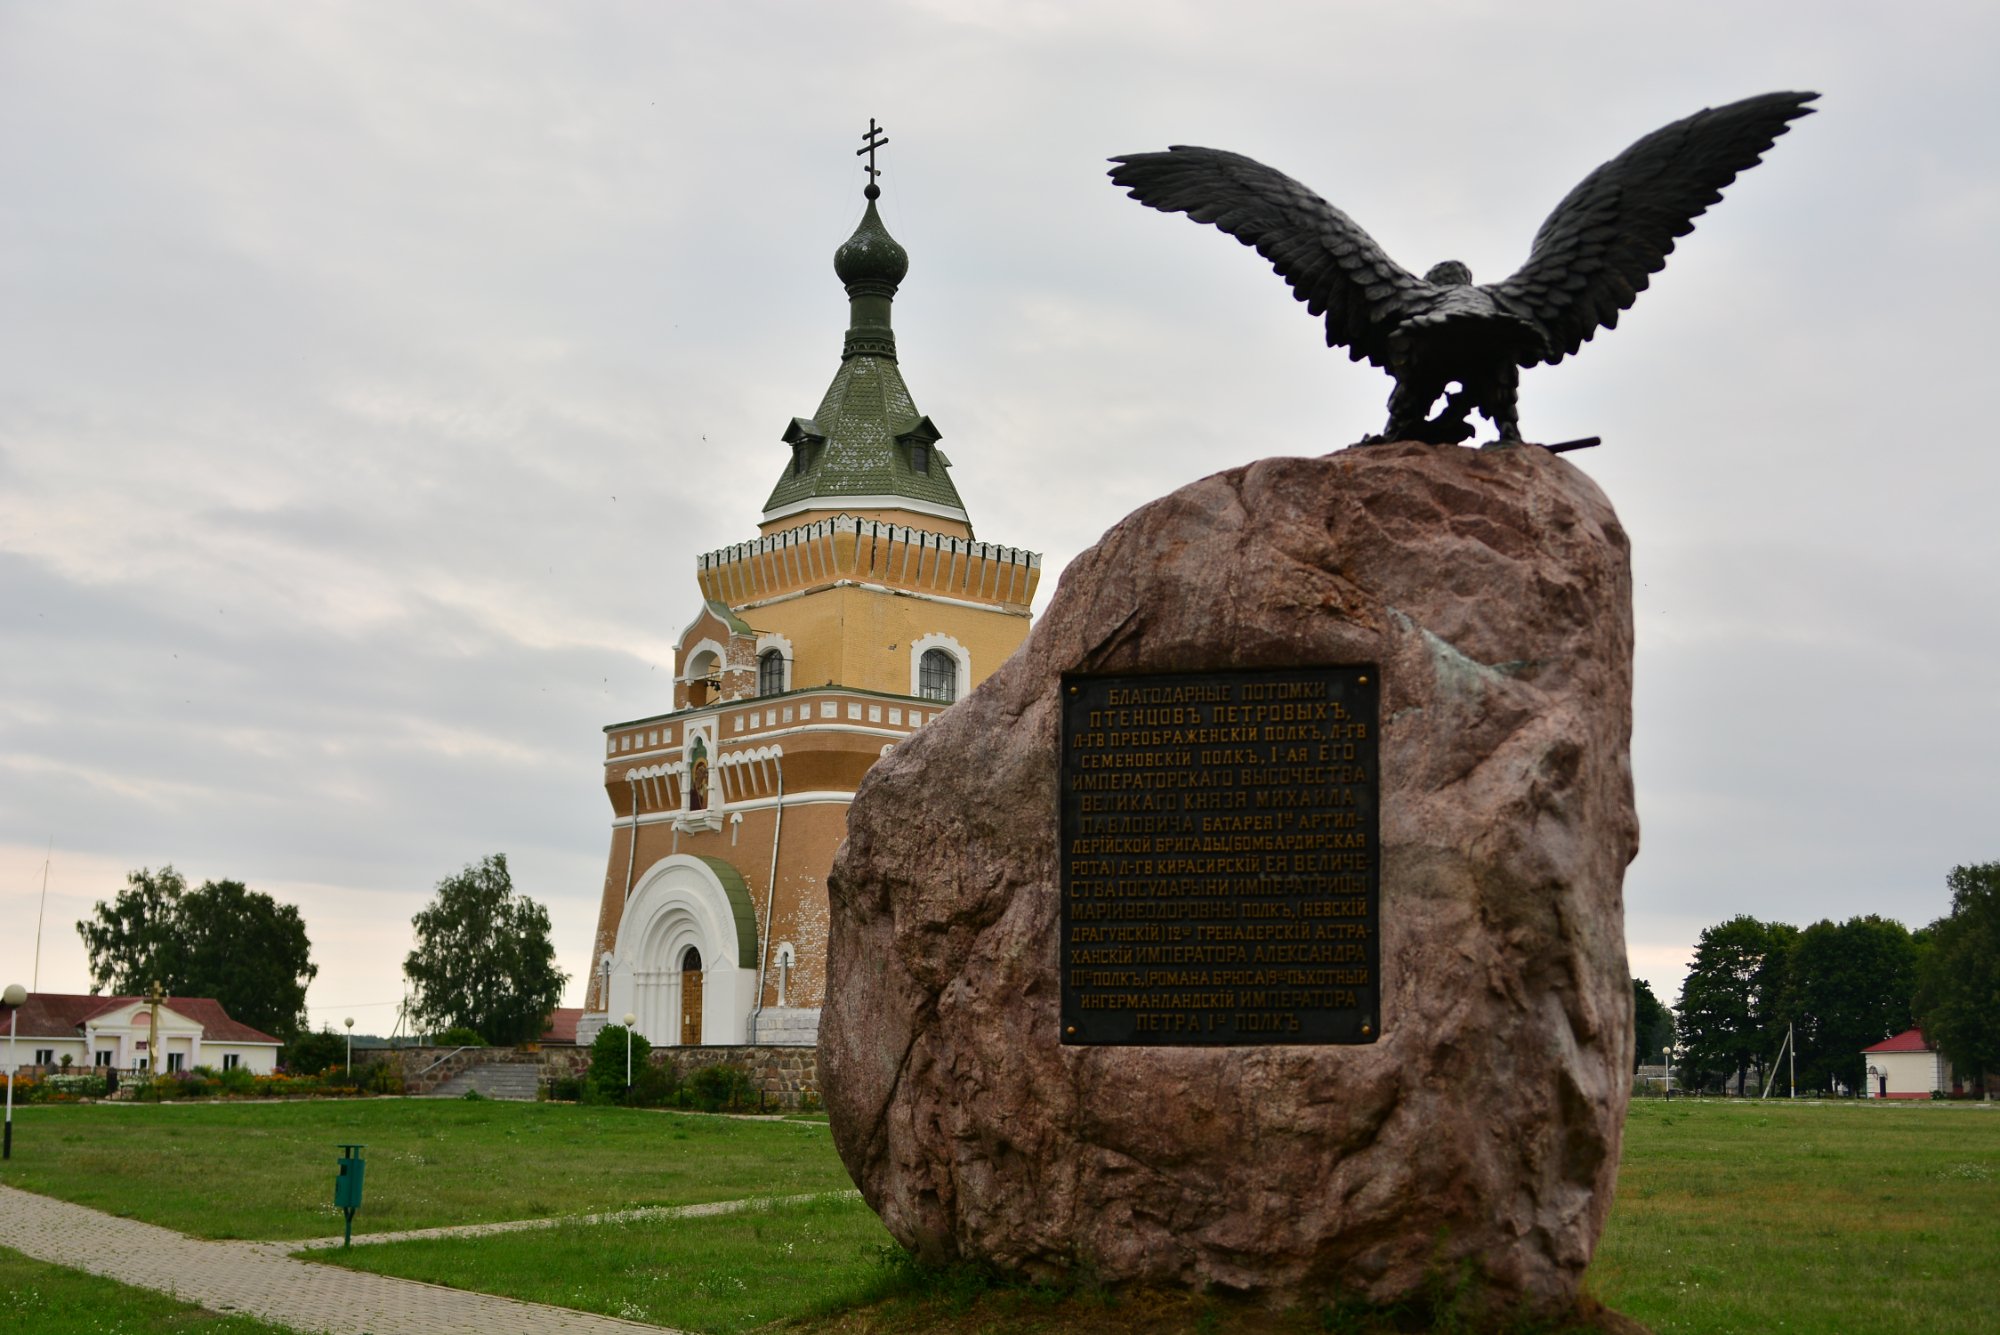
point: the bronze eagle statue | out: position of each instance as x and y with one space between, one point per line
1590 260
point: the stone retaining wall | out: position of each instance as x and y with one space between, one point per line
787 1076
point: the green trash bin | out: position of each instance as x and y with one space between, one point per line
347 1187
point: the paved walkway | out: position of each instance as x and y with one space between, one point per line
253 1278
702 1211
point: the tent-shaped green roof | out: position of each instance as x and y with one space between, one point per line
867 445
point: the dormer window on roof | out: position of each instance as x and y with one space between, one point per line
805 438
917 443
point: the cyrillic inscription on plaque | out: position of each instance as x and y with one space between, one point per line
1221 866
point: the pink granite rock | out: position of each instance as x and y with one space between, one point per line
1481 1133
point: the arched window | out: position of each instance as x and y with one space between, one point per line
937 676
770 673
785 955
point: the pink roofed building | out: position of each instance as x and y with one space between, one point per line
1907 1066
117 1032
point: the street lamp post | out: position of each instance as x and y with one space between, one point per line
349 1022
14 996
1668 1053
630 1020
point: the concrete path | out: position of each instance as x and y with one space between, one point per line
608 1217
252 1278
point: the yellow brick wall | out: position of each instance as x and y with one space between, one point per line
861 637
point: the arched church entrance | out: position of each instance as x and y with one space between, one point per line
686 959
691 997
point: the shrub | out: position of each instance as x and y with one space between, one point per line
458 1037
173 1086
653 1085
605 1080
63 1088
717 1088
385 1078
237 1081
311 1053
566 1089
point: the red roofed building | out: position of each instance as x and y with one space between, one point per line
118 1032
1905 1067
562 1024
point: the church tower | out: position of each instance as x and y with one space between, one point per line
863 610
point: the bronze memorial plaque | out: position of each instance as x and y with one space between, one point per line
1221 867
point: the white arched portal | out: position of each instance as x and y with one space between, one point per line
684 901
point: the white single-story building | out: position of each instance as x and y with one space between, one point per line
116 1032
1905 1067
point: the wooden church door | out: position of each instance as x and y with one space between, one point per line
691 998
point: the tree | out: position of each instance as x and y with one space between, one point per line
130 941
1653 1024
1958 974
1727 1010
247 951
1848 986
483 958
221 940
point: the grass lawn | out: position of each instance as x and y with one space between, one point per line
731 1273
1730 1216
1776 1216
41 1299
245 1170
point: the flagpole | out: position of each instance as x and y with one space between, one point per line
41 913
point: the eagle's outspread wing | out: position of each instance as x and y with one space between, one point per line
1597 251
1331 263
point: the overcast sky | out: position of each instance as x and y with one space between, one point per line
371 376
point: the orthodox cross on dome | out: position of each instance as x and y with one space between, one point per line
874 141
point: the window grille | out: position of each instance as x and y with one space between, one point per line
937 676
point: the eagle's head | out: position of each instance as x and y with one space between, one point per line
1451 273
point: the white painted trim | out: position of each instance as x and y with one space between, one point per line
832 796
922 645
849 503
775 599
863 729
694 651
790 730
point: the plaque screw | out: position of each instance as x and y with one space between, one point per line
1072 690
1362 680
1070 1030
1367 1031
